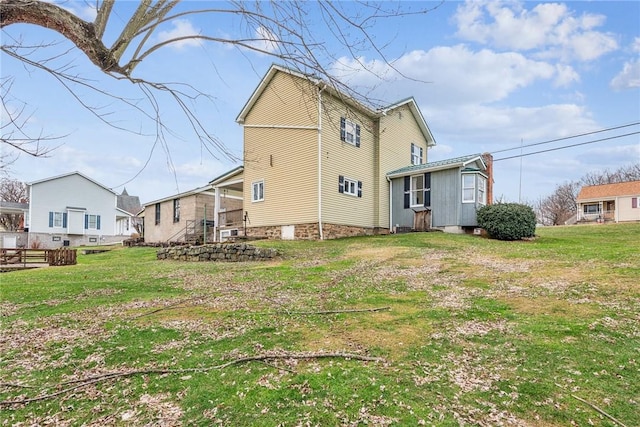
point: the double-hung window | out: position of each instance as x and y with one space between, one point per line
482 190
257 191
417 190
57 219
92 222
416 154
468 188
157 213
349 186
349 131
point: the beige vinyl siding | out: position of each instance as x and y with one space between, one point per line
283 103
625 211
284 157
398 130
286 160
342 158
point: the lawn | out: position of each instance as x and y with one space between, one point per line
412 329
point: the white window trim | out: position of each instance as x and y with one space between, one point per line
482 190
350 184
416 154
350 132
473 199
413 190
58 221
256 197
95 224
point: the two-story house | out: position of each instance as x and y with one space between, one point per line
73 210
315 160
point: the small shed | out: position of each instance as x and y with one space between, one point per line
442 195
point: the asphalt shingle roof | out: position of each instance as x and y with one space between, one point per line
629 188
440 164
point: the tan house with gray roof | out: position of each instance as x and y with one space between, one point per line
315 160
619 202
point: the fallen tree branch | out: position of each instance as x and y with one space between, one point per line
83 382
600 411
174 305
355 310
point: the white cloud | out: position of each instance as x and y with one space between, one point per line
635 46
265 40
181 28
456 75
628 78
550 29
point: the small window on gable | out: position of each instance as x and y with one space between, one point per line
416 154
257 191
349 132
349 186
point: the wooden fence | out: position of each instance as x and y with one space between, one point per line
27 257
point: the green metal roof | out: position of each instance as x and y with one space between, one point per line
440 164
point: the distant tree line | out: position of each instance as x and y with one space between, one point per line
560 205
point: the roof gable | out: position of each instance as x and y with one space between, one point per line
274 69
53 178
455 162
629 188
199 190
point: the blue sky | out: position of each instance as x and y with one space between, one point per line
488 76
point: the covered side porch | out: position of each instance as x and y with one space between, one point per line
230 223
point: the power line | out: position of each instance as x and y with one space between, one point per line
566 146
567 137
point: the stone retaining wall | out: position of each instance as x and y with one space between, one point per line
226 252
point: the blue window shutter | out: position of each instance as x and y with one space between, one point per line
427 189
359 188
50 219
86 221
407 192
64 219
343 131
411 153
341 184
98 222
357 135
421 155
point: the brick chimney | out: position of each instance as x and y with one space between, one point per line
488 160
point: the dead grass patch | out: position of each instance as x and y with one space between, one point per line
551 306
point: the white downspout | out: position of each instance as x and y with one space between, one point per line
320 161
390 205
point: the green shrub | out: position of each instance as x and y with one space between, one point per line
507 221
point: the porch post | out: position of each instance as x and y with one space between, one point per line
216 213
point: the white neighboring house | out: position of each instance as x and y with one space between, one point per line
74 210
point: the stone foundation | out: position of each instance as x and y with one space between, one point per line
310 231
226 252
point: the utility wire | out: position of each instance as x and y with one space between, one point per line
565 146
567 137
